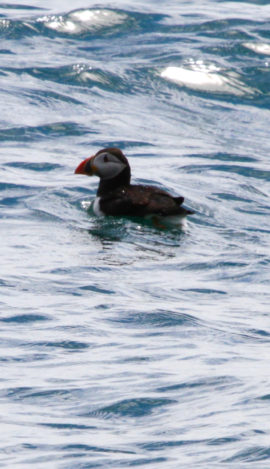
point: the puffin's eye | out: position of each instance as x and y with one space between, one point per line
105 159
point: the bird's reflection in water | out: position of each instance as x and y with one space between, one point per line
134 239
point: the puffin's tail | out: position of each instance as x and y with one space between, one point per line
183 210
186 211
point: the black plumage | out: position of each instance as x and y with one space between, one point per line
118 197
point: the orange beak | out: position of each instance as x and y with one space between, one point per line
86 167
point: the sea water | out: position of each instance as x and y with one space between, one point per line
123 343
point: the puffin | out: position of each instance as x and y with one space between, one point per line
116 196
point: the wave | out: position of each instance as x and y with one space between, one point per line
198 76
74 23
85 20
259 47
29 133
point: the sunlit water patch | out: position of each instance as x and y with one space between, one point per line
198 76
84 20
260 48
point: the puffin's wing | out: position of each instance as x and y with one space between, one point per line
164 204
152 200
140 201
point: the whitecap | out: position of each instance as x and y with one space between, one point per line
260 47
80 21
4 24
198 76
85 73
86 204
98 18
59 23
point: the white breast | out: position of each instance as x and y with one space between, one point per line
96 207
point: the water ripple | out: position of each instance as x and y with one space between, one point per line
28 133
133 407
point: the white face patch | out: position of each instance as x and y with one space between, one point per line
108 165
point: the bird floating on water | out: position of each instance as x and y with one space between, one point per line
117 197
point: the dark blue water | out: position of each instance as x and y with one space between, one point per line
123 344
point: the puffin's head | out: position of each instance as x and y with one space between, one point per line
107 164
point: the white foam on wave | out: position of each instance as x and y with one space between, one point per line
86 204
260 47
4 24
198 76
84 73
80 21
